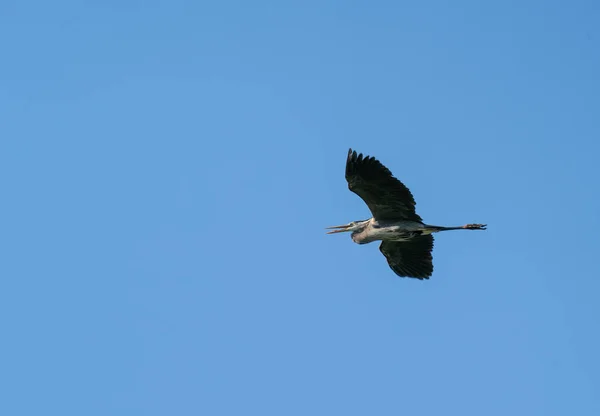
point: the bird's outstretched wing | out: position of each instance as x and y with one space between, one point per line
410 258
386 196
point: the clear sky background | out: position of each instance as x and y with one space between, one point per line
167 169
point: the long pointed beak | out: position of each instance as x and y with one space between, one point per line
338 229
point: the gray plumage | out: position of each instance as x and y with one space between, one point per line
406 242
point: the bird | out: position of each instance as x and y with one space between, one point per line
406 241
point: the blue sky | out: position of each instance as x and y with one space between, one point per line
168 168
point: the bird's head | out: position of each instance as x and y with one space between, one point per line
354 226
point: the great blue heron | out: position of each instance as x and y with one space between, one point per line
406 242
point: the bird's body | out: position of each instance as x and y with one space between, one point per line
400 230
407 242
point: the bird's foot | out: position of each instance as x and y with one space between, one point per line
475 226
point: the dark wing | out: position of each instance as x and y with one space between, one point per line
410 258
386 196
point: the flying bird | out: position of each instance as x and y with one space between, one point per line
406 241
